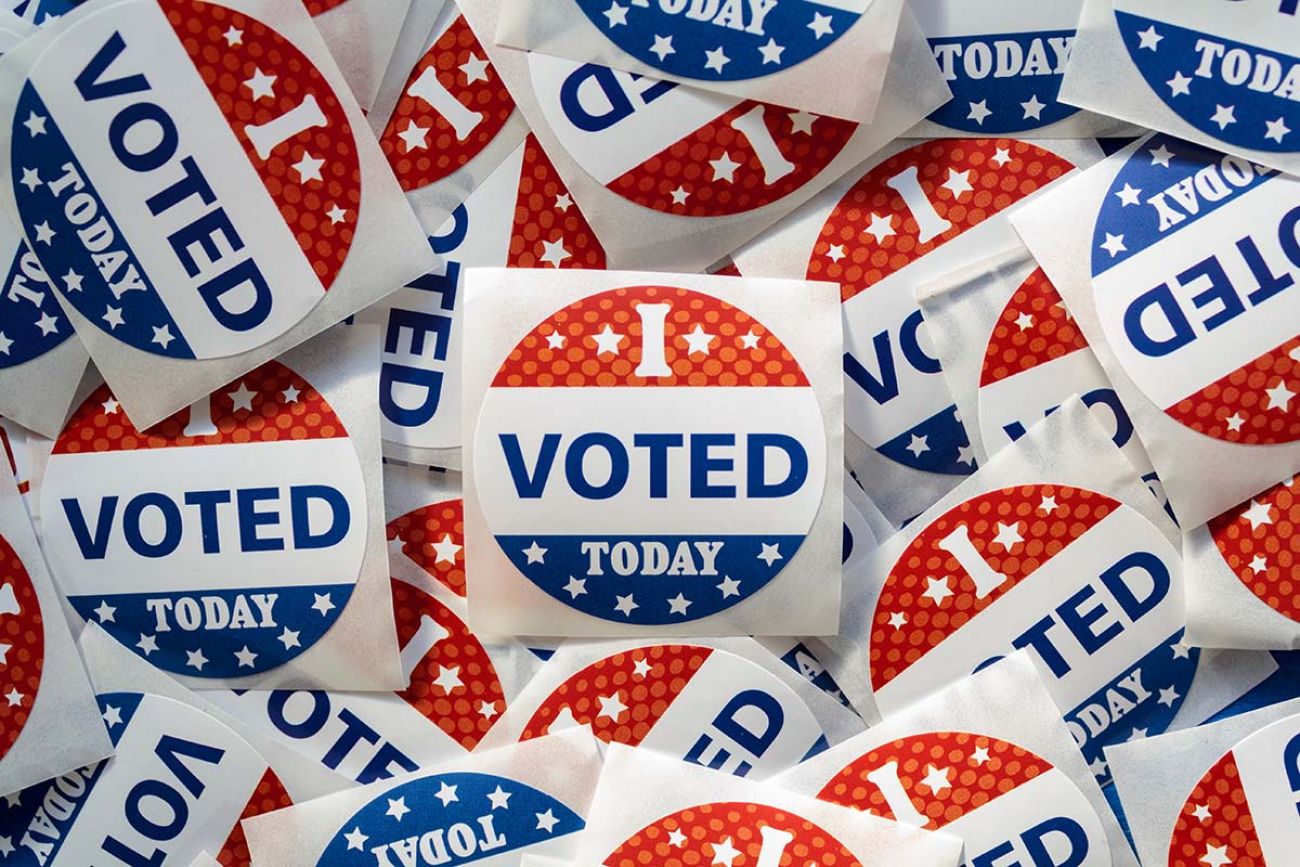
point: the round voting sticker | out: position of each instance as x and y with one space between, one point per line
1005 802
650 455
677 150
186 176
177 786
1088 584
22 646
1195 256
433 538
1004 62
722 40
705 706
902 209
1036 359
224 541
452 107
31 321
1243 810
1235 76
721 832
453 818
1257 541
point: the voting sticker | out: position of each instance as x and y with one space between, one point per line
1193 253
31 321
1243 810
680 151
22 646
432 537
900 210
1084 581
1004 801
1004 62
186 176
178 786
1258 545
650 455
223 542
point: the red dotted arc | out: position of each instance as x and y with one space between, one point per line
1258 542
316 7
318 200
419 530
269 795
22 646
549 230
1034 328
1238 407
1216 816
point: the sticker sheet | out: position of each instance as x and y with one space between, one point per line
361 34
47 695
491 807
1179 265
521 216
987 760
1004 63
725 704
786 53
1222 794
680 814
1243 576
1056 546
1223 75
672 174
240 543
196 225
912 212
652 453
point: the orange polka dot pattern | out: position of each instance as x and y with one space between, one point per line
1000 173
1044 535
1051 335
542 214
23 484
301 199
646 696
579 361
719 170
460 712
1229 824
316 7
269 795
708 826
1242 396
99 425
975 778
1242 541
23 633
439 151
419 528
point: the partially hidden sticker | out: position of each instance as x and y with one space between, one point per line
31 321
222 542
1243 810
178 785
681 151
1088 584
1194 259
1259 546
899 211
1008 804
22 646
702 705
186 176
433 538
678 464
452 818
1234 76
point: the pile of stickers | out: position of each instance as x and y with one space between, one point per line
649 433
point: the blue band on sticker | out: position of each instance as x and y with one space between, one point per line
449 819
719 40
31 321
1236 93
937 445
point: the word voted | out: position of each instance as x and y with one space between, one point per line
460 840
153 523
1059 841
1002 58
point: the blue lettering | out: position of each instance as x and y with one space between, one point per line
702 464
171 515
529 486
575 465
91 547
250 519
340 513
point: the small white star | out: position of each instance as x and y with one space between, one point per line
162 336
448 679
195 659
835 252
234 36
535 553
242 398
553 252
397 808
616 14
980 755
1033 108
105 612
663 46
112 716
113 316
880 228
147 644
1149 38
966 455
1168 696
576 586
290 394
356 840
1129 195
724 168
1000 157
918 445
729 587
245 657
35 124
898 620
1024 321
1179 85
1201 812
1138 735
820 25
1161 156
958 183
546 821
1008 535
937 779
641 668
679 195
499 797
14 697
1258 514
446 793
1048 505
607 341
261 84
979 111
31 179
716 59
474 69
611 706
289 638
415 137
1216 856
487 709
678 605
801 121
676 838
555 340
1279 396
771 52
308 168
625 605
698 340
1181 649
1098 767
446 550
1224 115
44 233
724 853
770 553
110 406
323 603
1114 245
72 281
1277 129
749 340
937 590
1258 564
563 202
336 214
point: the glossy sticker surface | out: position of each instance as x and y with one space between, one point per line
1258 543
224 541
1195 259
676 468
